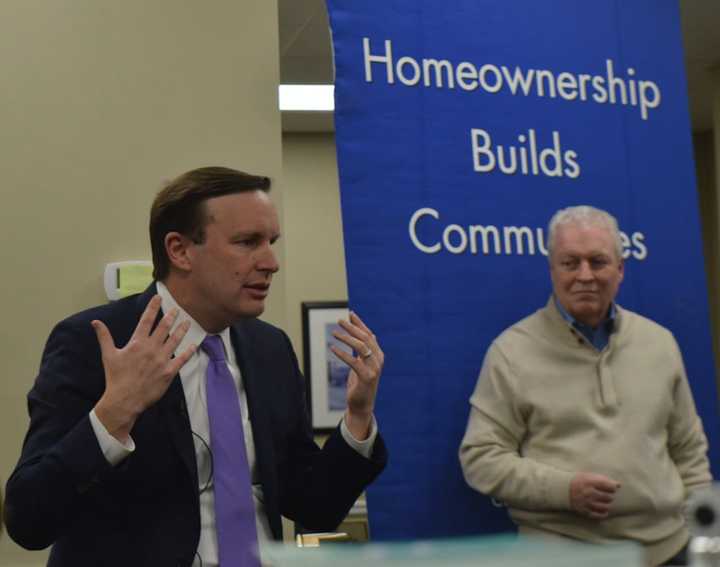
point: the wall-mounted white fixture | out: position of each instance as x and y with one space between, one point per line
125 278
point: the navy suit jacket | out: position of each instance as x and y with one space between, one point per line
145 511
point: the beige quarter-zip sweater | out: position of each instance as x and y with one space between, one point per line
548 405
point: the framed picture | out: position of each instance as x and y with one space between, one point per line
325 374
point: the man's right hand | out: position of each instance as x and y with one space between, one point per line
139 374
592 494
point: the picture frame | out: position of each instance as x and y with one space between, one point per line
325 374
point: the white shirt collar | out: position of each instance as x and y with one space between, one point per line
196 334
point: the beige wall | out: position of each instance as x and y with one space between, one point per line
101 102
315 262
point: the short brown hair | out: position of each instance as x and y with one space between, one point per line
180 206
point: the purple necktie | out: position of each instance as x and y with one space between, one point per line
234 507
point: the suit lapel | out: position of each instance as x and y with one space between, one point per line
172 405
174 411
259 399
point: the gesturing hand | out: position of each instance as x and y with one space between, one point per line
365 370
139 374
592 494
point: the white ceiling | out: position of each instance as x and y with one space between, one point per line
305 53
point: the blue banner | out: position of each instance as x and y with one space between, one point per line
461 127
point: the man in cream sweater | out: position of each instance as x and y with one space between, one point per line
582 421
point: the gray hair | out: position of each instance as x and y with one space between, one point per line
584 216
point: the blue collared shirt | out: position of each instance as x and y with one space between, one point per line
598 337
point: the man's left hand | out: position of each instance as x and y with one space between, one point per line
365 370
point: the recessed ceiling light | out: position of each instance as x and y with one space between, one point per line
317 98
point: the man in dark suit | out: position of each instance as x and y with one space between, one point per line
132 453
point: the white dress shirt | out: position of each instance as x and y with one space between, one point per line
193 378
